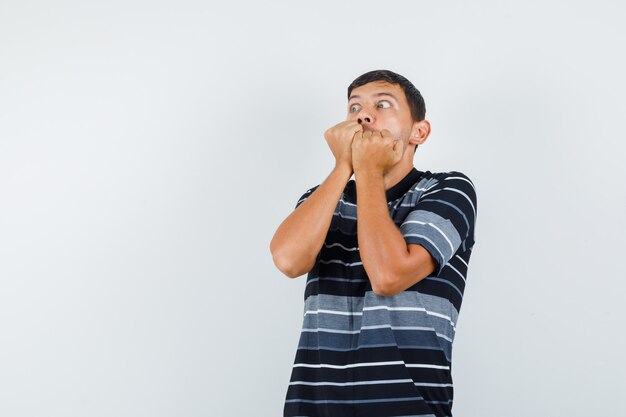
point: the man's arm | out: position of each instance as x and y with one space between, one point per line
300 237
391 265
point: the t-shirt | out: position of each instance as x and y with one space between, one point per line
365 355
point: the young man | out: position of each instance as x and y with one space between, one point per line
387 256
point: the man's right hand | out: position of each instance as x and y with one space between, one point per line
339 139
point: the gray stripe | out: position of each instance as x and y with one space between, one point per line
371 339
315 346
344 330
426 216
371 299
454 207
438 231
325 314
414 194
365 338
374 306
349 321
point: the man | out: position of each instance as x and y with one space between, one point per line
387 256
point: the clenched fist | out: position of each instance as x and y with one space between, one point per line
339 139
376 151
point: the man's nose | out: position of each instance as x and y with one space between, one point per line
365 118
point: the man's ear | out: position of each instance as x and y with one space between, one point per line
419 132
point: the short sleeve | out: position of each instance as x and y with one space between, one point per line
443 219
305 196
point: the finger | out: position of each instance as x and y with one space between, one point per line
353 124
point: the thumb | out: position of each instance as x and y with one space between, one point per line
398 149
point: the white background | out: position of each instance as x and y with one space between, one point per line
149 150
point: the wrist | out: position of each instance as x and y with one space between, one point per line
343 167
368 174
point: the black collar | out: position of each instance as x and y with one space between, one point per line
391 194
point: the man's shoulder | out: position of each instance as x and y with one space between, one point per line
448 179
443 175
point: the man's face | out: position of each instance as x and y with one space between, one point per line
379 105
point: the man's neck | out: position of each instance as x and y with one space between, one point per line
396 174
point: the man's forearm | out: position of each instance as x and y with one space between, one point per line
381 244
300 237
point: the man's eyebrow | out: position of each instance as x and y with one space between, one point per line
375 95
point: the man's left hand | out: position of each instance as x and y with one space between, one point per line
375 151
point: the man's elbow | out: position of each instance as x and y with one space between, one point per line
284 265
390 285
385 287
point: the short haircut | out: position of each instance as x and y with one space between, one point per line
412 94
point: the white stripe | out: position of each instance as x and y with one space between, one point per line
432 186
413 190
347 384
444 235
462 260
426 365
394 308
430 313
436 228
345 216
387 326
350 365
377 326
465 195
347 203
383 326
461 178
443 336
411 328
342 247
337 261
426 384
420 189
341 313
413 221
443 316
456 191
325 330
456 270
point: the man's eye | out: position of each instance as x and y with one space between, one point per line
387 104
354 108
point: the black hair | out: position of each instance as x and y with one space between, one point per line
412 94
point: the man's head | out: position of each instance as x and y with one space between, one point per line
382 99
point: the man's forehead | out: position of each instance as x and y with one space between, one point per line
377 88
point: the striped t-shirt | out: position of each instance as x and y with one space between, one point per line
365 355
